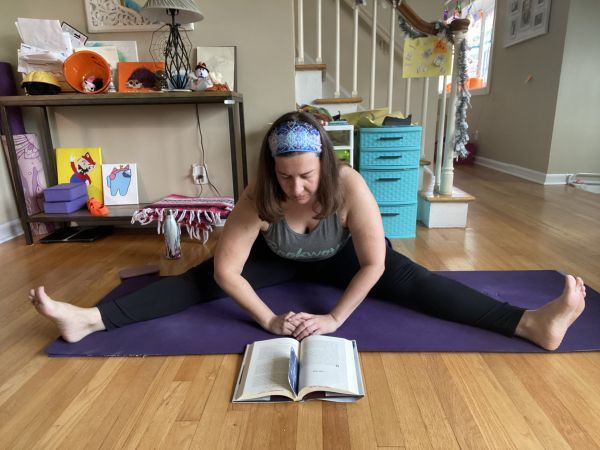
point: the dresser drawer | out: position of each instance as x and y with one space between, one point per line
393 186
396 137
399 221
389 158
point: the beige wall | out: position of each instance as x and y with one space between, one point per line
576 138
164 143
515 121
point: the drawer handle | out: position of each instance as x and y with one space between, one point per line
389 157
389 214
390 138
388 179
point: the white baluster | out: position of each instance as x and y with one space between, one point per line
440 136
373 55
424 114
300 59
355 68
319 59
447 181
407 97
391 48
336 94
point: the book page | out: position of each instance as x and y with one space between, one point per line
327 363
268 368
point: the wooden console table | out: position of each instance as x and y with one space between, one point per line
237 141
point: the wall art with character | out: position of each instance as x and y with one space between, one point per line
81 165
120 184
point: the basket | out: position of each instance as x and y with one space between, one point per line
86 65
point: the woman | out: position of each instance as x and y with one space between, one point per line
311 217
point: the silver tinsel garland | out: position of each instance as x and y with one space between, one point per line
461 137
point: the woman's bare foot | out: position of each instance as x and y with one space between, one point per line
73 322
547 325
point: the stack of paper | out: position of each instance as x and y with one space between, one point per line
45 47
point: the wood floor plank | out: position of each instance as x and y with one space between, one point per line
453 402
105 418
159 407
234 429
360 422
410 420
574 393
210 426
29 422
70 416
538 421
501 423
545 395
432 413
379 395
180 435
202 375
335 422
310 429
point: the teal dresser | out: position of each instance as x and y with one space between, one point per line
389 162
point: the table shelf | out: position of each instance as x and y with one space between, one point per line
233 101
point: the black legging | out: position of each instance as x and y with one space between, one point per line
403 282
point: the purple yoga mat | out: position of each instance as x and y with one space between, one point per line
221 326
8 87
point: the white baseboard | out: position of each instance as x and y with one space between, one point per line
10 230
523 172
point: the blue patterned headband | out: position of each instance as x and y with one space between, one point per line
294 137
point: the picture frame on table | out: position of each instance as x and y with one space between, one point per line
120 184
105 16
220 59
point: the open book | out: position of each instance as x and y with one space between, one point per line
283 369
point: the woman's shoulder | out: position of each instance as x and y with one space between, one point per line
351 181
246 206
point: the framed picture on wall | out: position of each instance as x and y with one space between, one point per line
526 19
120 16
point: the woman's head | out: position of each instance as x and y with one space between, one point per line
297 163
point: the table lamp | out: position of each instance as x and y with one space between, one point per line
174 13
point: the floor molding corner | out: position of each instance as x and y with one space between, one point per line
522 172
10 230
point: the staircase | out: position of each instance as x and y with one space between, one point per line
312 89
441 205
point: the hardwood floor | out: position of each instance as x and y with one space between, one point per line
437 400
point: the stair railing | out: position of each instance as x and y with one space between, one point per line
444 171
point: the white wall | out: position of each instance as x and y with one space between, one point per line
165 143
576 137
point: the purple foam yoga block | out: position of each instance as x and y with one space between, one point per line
66 206
65 192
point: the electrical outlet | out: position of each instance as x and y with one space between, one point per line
196 173
203 177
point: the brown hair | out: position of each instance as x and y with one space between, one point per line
269 194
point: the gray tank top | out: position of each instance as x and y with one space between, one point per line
321 243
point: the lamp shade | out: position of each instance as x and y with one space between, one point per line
157 10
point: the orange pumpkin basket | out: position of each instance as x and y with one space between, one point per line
87 72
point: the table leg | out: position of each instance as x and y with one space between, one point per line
15 175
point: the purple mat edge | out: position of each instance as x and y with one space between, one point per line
507 345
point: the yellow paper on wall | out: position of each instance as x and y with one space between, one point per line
429 56
81 165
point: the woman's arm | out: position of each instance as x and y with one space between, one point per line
240 232
364 221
